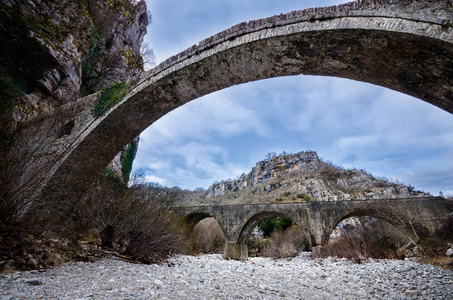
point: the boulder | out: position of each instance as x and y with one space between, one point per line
450 252
32 263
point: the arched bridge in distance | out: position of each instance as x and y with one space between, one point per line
417 218
405 46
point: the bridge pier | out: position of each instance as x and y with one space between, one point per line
233 250
320 251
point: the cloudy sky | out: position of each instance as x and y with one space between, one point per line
224 134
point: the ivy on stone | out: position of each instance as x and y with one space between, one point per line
91 77
108 98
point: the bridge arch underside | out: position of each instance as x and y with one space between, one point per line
256 220
415 58
236 245
193 219
407 225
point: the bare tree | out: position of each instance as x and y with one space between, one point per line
270 155
147 53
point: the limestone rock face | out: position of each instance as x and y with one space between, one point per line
92 43
304 177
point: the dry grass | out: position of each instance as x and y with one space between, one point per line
443 262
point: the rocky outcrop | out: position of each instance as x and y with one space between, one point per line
92 43
304 177
87 45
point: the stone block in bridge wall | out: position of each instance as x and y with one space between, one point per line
235 251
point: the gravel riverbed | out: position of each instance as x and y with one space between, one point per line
211 277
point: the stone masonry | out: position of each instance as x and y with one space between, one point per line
417 218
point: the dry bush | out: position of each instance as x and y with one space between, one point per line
330 171
26 158
132 223
369 239
152 233
433 249
285 243
256 244
207 236
445 231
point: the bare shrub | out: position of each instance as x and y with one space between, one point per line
256 244
132 223
445 231
153 233
330 171
433 249
285 243
26 159
207 236
368 239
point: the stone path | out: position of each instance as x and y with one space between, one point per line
211 277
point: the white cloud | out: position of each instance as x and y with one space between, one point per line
199 155
155 179
157 165
350 143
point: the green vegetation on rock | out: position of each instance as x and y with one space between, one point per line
127 160
133 60
109 96
270 224
92 78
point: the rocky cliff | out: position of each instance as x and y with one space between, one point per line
54 52
303 177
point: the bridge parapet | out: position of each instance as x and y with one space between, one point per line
360 8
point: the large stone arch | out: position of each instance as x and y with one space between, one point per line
194 218
256 218
404 47
236 246
412 229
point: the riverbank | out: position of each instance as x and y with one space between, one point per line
211 277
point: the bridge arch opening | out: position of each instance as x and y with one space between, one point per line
371 234
194 218
206 233
398 217
207 236
273 234
221 132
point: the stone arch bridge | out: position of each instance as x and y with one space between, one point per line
406 46
417 218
